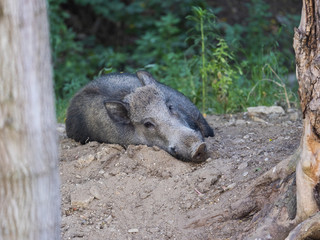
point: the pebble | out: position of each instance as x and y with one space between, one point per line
101 154
240 122
80 199
144 195
243 165
108 219
256 119
245 174
61 129
133 230
253 111
294 116
84 161
95 191
156 148
246 137
238 141
231 186
93 144
166 174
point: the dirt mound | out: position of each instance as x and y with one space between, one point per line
141 192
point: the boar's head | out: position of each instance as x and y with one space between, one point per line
154 123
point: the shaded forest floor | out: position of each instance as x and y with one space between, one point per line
109 192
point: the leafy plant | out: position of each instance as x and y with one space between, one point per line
223 75
214 62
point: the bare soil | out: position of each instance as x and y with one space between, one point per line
141 192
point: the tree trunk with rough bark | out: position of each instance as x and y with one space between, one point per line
29 180
307 49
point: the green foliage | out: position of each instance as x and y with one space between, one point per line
213 61
67 54
155 45
223 76
219 66
201 17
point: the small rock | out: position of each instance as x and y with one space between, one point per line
254 111
80 198
240 122
92 144
131 151
243 165
77 235
238 141
245 174
144 195
156 148
257 119
84 161
61 129
108 219
169 234
116 147
166 174
101 154
231 186
294 116
204 186
246 136
113 172
154 230
133 230
188 205
95 191
231 122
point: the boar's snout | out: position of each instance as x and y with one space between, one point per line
187 145
199 153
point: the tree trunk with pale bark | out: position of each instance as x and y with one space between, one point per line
29 180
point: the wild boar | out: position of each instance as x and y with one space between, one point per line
127 109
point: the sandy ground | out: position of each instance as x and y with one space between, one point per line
109 192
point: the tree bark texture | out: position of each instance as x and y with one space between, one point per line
307 51
29 180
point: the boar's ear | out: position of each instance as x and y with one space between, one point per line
118 111
145 78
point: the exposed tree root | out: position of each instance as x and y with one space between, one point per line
307 230
204 221
281 171
266 187
276 217
258 193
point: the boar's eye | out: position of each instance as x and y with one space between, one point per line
171 108
148 124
